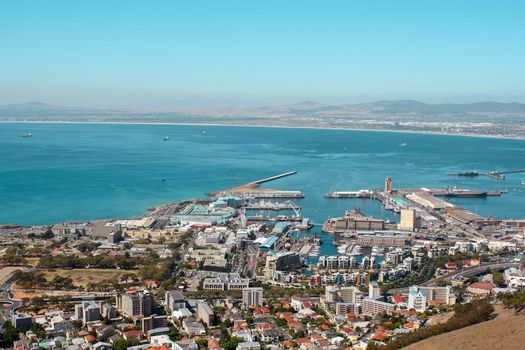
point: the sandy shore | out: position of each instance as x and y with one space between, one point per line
269 126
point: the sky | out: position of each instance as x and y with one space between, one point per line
147 54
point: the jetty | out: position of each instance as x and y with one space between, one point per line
252 190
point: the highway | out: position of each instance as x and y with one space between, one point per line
474 270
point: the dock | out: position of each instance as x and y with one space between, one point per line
272 194
274 218
267 205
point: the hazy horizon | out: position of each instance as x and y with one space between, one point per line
235 53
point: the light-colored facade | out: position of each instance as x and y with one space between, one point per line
252 297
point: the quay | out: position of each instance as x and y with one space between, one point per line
274 218
272 194
267 205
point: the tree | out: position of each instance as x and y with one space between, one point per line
10 333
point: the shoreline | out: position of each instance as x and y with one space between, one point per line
266 126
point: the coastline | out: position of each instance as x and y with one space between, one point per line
266 126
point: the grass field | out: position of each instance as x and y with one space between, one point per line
82 277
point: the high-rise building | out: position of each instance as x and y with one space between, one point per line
409 220
416 299
388 185
205 313
252 297
373 290
133 304
22 321
152 322
87 311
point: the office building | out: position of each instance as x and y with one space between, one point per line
20 321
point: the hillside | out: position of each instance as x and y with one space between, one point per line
506 331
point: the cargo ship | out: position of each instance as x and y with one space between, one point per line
466 173
456 192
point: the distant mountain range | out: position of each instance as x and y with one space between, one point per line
36 110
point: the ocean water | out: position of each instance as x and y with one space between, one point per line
68 172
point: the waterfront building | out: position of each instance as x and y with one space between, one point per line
252 297
390 240
409 220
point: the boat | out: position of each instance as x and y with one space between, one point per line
404 144
523 182
204 133
167 138
466 174
28 135
456 192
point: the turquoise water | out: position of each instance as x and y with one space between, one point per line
71 172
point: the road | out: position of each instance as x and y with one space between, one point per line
474 270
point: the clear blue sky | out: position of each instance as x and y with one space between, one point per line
178 53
